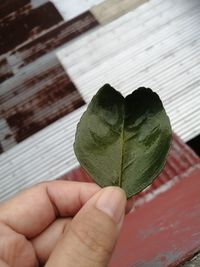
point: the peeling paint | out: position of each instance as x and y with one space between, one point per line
163 244
163 260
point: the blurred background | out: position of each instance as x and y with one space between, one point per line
55 55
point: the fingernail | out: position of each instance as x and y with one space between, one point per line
112 201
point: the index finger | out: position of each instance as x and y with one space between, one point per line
33 210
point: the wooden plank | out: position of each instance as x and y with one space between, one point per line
164 231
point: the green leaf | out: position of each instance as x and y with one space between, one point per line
123 141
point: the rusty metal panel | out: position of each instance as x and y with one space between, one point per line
59 35
28 25
110 10
24 8
46 155
38 94
5 70
10 6
37 98
1 148
49 154
156 45
72 9
42 43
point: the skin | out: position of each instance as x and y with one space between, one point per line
48 222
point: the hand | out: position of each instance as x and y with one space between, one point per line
61 224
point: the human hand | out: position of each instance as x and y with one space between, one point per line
61 223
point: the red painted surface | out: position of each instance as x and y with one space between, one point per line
164 231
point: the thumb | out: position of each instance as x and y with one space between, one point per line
92 235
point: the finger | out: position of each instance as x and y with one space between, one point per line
15 249
47 240
3 264
92 235
33 210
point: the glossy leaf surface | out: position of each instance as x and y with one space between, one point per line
123 141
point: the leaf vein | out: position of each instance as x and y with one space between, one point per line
122 152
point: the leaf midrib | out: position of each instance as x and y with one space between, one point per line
121 152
